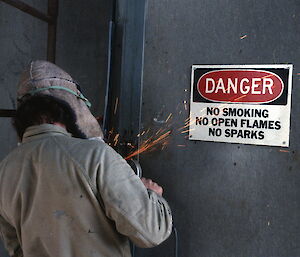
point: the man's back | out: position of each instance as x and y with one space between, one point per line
63 197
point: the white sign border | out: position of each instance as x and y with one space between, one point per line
245 66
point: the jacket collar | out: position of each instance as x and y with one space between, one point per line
44 130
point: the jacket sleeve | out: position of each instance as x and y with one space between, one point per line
9 237
138 213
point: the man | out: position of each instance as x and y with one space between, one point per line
62 195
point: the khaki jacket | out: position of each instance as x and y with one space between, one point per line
67 197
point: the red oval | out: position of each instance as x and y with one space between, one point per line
240 86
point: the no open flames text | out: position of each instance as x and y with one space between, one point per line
237 122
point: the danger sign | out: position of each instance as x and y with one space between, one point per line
248 104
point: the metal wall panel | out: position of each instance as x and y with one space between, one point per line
81 51
227 199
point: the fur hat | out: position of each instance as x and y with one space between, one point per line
42 77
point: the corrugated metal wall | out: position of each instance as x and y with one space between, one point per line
228 199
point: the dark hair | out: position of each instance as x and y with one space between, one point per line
40 109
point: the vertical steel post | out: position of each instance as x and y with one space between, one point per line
127 72
110 51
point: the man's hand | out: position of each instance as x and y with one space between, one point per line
152 186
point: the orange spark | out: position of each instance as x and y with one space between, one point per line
267 76
170 115
284 151
116 139
158 131
146 146
187 125
185 105
187 131
184 127
116 105
164 145
110 133
239 97
130 145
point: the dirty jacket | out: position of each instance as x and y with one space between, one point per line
67 197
